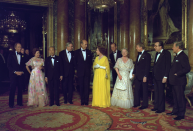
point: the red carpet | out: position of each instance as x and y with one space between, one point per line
87 118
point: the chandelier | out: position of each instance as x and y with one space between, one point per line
12 23
101 5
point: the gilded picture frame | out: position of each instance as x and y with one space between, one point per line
184 26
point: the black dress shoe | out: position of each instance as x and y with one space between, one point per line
86 104
58 104
65 102
135 106
153 109
142 107
11 106
51 104
171 113
159 111
71 102
20 104
178 118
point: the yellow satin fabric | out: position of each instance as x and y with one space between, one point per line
101 85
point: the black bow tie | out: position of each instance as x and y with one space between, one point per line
52 57
139 53
114 52
159 53
19 53
69 52
83 50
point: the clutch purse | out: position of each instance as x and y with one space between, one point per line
121 85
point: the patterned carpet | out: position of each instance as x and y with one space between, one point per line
87 118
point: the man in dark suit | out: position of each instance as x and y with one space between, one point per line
83 64
177 78
113 57
16 65
141 73
161 70
67 70
52 76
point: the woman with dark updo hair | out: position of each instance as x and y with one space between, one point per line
101 81
37 95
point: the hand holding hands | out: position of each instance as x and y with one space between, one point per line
97 66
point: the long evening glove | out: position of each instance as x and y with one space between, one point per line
97 66
102 67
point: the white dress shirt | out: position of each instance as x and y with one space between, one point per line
158 55
18 57
179 52
52 60
68 55
84 54
115 55
140 55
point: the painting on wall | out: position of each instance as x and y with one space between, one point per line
164 21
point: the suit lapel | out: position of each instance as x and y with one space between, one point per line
65 56
81 54
161 55
142 56
15 58
155 58
50 61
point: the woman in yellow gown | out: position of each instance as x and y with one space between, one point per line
101 81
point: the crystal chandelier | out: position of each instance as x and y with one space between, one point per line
101 5
12 23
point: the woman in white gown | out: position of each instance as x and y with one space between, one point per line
122 94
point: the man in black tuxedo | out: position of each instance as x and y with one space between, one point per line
83 64
16 66
141 73
67 70
52 76
161 70
113 57
177 78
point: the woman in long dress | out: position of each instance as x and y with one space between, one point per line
101 81
37 95
122 94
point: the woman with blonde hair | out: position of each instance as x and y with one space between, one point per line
122 94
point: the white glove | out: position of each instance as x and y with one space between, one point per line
131 74
97 66
102 67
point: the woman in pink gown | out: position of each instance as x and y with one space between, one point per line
37 95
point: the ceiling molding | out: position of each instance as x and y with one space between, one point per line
45 3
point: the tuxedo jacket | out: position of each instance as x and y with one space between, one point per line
142 67
161 68
82 66
67 68
13 65
113 59
181 67
52 72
